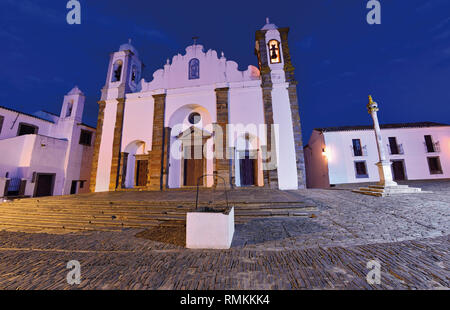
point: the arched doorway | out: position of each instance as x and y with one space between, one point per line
193 141
135 165
190 140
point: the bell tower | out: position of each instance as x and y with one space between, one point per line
281 109
124 72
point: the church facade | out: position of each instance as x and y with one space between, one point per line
200 121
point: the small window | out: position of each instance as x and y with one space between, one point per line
429 144
82 184
274 51
357 149
27 129
194 118
361 169
134 76
434 164
194 69
1 122
393 146
85 137
69 108
117 71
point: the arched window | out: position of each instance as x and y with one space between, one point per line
117 71
274 52
194 69
134 76
69 108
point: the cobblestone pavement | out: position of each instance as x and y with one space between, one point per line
408 235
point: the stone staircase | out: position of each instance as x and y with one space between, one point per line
78 212
384 191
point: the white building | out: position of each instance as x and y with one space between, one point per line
149 133
340 155
46 154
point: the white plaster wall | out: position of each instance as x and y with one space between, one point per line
26 154
106 145
175 73
316 163
138 122
285 147
341 161
46 158
13 119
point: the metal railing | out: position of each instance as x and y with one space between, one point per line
435 147
357 154
400 150
224 186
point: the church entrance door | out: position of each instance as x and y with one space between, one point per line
247 170
193 169
141 172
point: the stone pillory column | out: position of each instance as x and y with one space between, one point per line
117 143
386 186
156 155
384 166
223 163
98 138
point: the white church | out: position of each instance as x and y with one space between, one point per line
200 121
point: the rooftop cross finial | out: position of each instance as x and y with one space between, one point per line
267 20
370 99
195 40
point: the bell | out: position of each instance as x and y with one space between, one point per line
273 53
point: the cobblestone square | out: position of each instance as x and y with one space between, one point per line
408 235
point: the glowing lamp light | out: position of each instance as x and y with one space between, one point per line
326 153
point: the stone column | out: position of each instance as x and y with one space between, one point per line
98 139
270 173
117 143
384 166
166 157
123 169
156 155
222 165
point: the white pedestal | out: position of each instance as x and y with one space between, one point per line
385 172
209 230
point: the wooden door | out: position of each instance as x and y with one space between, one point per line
247 170
141 172
398 170
44 186
193 169
73 188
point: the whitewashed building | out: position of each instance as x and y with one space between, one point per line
45 154
341 155
149 133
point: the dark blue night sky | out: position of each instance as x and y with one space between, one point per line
340 59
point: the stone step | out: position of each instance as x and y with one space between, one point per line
100 222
